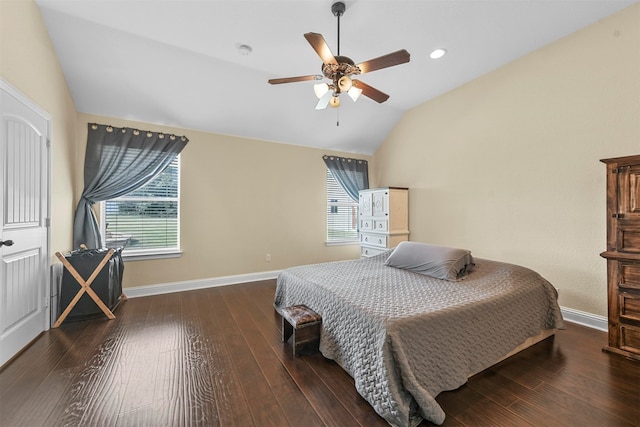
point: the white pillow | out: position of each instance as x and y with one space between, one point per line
440 262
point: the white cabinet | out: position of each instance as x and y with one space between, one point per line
384 219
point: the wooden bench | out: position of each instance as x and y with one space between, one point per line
304 324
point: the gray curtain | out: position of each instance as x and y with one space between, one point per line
351 174
118 161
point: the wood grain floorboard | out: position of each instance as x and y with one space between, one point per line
213 357
49 348
46 399
255 366
234 405
200 405
104 379
163 329
143 354
559 393
284 391
296 407
328 407
29 373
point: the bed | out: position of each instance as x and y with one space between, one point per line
405 337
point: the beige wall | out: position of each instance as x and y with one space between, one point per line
508 165
29 63
240 199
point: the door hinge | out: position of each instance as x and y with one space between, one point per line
48 142
617 215
47 222
46 302
620 169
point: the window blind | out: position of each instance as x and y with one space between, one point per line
342 213
146 220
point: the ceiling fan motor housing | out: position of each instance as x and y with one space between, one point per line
344 67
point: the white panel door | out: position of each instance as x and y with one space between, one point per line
24 207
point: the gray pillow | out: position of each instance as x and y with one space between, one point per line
436 261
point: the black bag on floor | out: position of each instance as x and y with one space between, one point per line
107 284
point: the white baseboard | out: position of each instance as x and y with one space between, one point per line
569 314
190 285
585 319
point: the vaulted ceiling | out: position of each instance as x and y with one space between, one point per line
179 62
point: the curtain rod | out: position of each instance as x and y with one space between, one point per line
109 128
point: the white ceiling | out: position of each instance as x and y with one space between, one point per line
176 62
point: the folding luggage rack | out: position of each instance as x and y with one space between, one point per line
109 279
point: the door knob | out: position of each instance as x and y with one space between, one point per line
6 242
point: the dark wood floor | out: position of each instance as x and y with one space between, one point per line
214 357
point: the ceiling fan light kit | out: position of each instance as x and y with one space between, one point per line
345 83
320 89
341 69
354 93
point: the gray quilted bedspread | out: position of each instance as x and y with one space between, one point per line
405 337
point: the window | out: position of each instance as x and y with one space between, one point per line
342 213
146 221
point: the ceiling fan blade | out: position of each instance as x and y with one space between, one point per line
294 79
320 46
324 101
370 91
388 60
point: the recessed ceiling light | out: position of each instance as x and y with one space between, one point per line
244 49
438 53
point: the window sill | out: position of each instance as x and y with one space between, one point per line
144 256
342 243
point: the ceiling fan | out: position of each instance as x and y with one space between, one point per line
340 69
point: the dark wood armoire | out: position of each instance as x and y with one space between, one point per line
623 255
